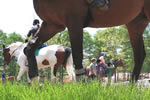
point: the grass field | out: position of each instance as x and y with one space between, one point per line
72 91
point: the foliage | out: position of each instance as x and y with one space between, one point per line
146 67
2 39
13 37
61 38
114 41
12 69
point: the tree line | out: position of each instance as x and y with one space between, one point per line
114 41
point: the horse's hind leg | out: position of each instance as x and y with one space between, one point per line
53 74
28 79
46 32
147 8
136 29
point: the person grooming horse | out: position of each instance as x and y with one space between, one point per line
93 68
102 63
111 69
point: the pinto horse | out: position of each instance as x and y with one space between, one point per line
77 14
51 56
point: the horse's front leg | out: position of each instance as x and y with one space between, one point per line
136 29
75 28
21 72
46 32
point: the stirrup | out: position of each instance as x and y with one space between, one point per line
93 3
105 6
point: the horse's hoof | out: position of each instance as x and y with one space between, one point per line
18 80
40 86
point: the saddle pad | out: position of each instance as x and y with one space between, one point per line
37 52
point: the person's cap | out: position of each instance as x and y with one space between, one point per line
36 21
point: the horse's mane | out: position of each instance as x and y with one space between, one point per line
16 44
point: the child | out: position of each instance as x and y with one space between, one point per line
93 68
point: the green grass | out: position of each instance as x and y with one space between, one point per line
72 91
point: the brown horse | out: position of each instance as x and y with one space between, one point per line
77 14
10 78
87 70
116 63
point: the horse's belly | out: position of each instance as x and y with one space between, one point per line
50 61
120 12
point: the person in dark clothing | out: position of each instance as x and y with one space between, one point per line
34 29
3 77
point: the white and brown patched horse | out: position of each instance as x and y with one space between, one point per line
51 56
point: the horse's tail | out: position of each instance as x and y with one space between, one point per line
69 63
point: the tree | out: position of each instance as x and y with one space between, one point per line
61 38
115 42
146 37
12 68
13 37
2 40
88 48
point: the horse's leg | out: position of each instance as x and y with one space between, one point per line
28 79
53 77
136 29
75 28
46 32
101 76
87 73
21 72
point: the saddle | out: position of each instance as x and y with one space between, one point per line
101 4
